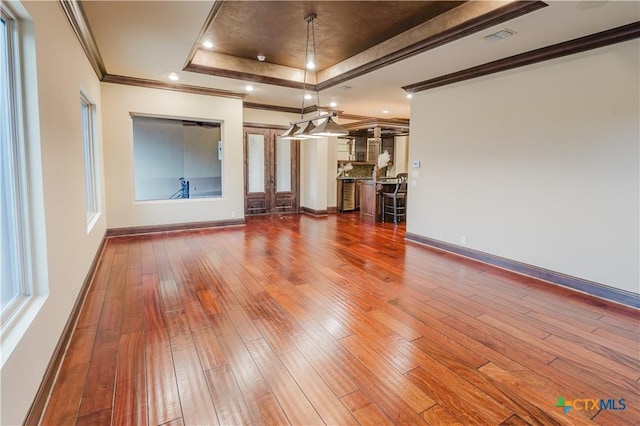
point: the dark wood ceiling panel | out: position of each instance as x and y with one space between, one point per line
277 29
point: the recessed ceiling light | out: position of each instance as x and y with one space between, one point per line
409 95
385 111
311 65
333 104
207 44
174 77
248 88
308 96
261 58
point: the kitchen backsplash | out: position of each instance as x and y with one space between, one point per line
358 171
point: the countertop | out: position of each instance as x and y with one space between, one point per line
381 180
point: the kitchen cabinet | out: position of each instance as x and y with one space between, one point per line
368 149
368 200
363 149
389 145
360 148
371 197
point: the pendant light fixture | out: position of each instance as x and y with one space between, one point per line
305 128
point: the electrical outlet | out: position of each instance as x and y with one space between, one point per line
463 240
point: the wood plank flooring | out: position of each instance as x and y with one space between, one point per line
302 320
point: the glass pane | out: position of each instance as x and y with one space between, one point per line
176 159
283 165
10 279
89 171
255 160
373 149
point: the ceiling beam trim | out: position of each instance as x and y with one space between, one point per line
257 72
153 84
217 5
582 44
78 20
454 24
443 29
387 123
286 109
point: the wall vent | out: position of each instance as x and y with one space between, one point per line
499 35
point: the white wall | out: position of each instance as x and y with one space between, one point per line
401 154
331 172
158 157
538 164
314 172
261 116
166 150
63 249
118 102
202 168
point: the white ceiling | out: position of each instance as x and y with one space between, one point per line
151 39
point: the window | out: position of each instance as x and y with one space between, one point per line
90 159
14 253
176 159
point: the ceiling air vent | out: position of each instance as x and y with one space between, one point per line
499 35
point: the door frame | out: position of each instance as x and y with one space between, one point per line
286 202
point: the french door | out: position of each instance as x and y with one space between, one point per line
271 177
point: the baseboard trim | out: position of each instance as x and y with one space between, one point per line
34 415
314 212
332 210
574 283
152 229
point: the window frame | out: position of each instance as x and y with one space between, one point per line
219 154
90 159
18 198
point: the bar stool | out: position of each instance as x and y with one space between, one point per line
397 208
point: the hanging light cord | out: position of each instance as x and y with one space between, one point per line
315 63
328 128
309 20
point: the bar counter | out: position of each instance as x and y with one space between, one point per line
371 198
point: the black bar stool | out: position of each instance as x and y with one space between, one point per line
398 205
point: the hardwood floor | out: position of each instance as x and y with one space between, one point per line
306 320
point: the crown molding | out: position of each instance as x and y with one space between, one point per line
78 20
582 44
186 88
264 126
279 108
361 121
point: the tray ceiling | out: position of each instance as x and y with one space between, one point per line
366 50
